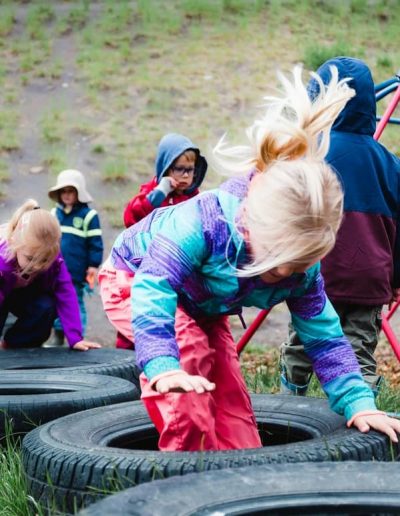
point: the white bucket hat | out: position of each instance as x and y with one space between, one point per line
71 178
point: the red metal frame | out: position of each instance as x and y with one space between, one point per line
386 328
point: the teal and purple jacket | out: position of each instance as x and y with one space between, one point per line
188 254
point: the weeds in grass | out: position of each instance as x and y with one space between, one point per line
14 497
4 171
116 170
315 55
55 158
9 139
52 125
37 16
75 20
113 210
7 19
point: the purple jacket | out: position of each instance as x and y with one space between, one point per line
55 281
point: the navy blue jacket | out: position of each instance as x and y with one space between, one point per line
364 265
81 241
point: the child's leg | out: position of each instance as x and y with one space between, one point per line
35 316
115 295
185 421
235 423
362 325
296 367
79 289
190 421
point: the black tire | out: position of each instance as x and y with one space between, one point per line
111 362
295 429
31 398
304 488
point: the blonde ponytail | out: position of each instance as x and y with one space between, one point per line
29 205
292 127
294 205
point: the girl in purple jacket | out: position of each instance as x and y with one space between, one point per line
35 285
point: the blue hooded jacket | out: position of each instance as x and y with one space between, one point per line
171 146
364 265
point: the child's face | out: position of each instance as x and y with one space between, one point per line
24 257
68 196
284 271
183 172
27 258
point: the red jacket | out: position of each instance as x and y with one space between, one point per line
139 206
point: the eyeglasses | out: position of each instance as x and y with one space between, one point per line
180 170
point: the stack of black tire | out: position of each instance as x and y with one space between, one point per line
78 459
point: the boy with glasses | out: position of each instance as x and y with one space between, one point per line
180 170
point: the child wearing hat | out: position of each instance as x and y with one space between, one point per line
81 237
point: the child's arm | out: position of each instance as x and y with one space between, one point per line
94 241
68 308
334 361
171 259
151 196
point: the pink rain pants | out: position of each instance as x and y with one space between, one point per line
219 420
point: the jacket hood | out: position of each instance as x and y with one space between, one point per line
359 114
171 146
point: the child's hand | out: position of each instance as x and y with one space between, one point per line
377 421
183 382
167 185
84 345
91 275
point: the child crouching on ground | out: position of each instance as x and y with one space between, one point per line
35 284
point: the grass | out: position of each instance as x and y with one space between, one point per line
198 67
14 497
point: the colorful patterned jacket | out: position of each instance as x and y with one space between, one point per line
180 255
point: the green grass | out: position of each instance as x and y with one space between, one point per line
14 497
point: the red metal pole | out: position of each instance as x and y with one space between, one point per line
388 113
386 328
251 330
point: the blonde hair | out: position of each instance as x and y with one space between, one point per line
34 229
189 154
294 205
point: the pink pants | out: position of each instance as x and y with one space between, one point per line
115 290
219 420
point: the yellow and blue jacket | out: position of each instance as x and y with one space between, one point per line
81 240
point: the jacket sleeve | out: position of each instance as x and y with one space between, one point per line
171 258
94 241
139 206
67 304
333 359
